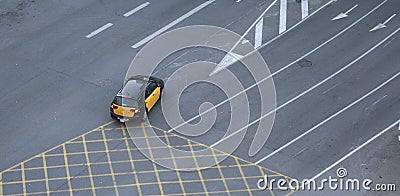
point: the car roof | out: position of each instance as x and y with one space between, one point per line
133 88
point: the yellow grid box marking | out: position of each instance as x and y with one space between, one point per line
121 143
67 170
131 160
197 167
45 174
88 165
174 161
154 165
1 183
109 161
243 176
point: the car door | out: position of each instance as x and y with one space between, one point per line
152 94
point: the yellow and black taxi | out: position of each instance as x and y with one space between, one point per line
138 95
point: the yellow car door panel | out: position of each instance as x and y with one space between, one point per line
152 99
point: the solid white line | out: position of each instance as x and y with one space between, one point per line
173 23
355 150
390 18
297 24
302 94
282 16
340 111
134 10
218 68
352 8
258 33
304 9
282 69
97 31
399 126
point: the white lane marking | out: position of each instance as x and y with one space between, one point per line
219 68
297 24
258 33
304 9
283 68
344 15
342 110
355 150
331 88
223 66
376 102
173 23
305 92
136 9
97 31
398 128
282 16
230 58
382 25
237 1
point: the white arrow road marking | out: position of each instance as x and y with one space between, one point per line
173 23
340 111
282 16
304 9
258 33
382 25
344 15
127 14
355 150
283 68
230 58
97 31
223 66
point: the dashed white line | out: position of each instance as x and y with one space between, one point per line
282 16
173 23
97 31
376 102
136 9
283 68
258 33
355 150
304 9
331 88
340 111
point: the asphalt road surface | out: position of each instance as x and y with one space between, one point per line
337 85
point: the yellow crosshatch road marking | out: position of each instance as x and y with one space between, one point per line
109 160
45 174
1 183
88 165
130 158
67 170
105 161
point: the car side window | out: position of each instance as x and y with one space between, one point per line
151 86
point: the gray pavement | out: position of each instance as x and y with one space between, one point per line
334 83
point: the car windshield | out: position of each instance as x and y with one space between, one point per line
119 100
